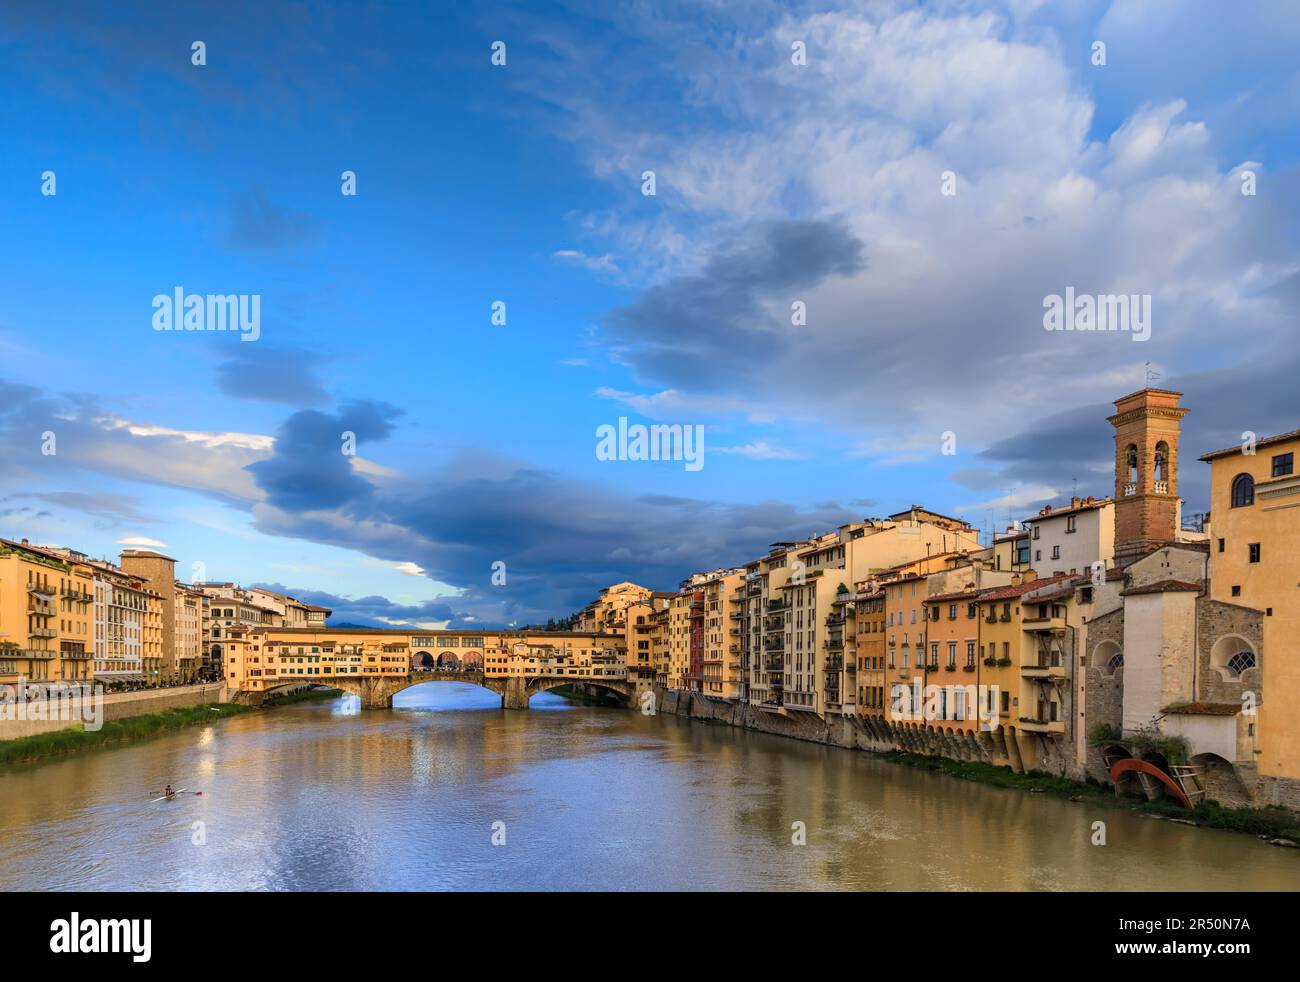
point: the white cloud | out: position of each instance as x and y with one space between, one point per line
141 542
759 450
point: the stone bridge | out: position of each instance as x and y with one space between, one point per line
377 692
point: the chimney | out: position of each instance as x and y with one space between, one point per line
1015 579
26 543
1074 502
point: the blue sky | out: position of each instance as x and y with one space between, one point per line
522 183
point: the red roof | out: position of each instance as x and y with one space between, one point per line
1163 586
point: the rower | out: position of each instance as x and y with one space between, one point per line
167 792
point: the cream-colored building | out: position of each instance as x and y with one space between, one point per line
1070 539
191 611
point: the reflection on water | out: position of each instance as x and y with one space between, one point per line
322 796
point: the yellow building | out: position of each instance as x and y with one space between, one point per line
869 650
46 622
723 592
1255 562
638 636
607 614
679 638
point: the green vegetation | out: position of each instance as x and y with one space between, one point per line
1141 744
133 728
302 695
1270 823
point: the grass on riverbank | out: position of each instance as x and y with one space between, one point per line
135 728
1270 823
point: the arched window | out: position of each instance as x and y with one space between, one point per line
1243 491
1131 461
1241 661
1162 461
1116 662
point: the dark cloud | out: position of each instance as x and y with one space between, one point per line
561 542
682 330
267 374
119 507
1078 443
258 224
308 469
372 611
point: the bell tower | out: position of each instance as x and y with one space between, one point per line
1147 426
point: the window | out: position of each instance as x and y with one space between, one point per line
1220 545
970 654
1056 552
1241 661
1236 591
1038 554
1283 464
1254 552
1243 491
1037 531
1116 662
1072 523
952 654
952 612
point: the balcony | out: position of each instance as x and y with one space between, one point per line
1054 624
41 608
1031 725
1129 489
777 605
36 654
834 663
777 644
1042 671
41 591
1162 487
774 665
42 632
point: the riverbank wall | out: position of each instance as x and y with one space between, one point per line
846 732
122 705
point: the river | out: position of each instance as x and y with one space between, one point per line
321 796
